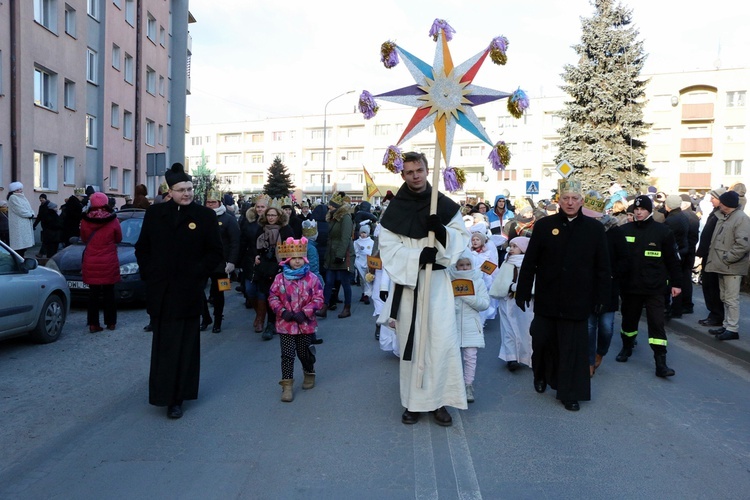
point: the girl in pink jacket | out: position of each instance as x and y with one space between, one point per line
294 297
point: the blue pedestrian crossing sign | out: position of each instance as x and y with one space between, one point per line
532 187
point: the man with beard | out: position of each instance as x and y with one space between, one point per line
179 247
404 252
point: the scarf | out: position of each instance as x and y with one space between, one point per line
514 260
295 274
269 237
220 210
408 211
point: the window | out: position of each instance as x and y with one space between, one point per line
353 154
92 8
736 99
116 56
196 141
382 129
151 27
69 94
318 155
160 137
45 83
256 158
69 170
162 36
127 181
256 179
91 66
127 125
470 150
353 132
230 159
735 133
130 12
696 166
115 119
230 138
128 68
45 13
150 81
70 20
527 173
278 136
733 167
45 170
256 137
506 175
113 173
161 85
150 132
90 131
118 3
506 122
526 146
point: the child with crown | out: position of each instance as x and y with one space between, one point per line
295 295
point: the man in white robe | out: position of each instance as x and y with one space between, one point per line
404 252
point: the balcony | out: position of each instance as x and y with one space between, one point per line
698 181
698 112
696 146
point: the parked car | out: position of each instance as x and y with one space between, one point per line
130 288
35 300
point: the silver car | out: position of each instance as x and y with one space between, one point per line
33 300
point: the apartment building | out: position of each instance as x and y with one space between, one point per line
92 92
698 140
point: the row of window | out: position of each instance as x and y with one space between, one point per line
45 13
46 173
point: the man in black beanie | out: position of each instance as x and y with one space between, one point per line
177 250
653 264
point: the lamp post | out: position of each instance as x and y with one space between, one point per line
325 134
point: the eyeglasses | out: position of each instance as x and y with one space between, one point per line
272 215
183 190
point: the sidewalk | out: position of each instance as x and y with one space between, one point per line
688 325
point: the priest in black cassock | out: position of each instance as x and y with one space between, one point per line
178 248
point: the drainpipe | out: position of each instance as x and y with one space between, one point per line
13 94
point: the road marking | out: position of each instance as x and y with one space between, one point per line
467 484
425 482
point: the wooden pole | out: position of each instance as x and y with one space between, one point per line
423 332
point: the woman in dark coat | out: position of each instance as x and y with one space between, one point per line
339 256
273 228
72 211
101 232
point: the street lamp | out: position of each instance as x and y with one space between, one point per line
325 134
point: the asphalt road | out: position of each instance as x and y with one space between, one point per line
76 424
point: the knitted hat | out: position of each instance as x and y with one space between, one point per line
644 202
521 242
15 186
716 193
364 227
98 200
673 201
292 248
730 199
176 174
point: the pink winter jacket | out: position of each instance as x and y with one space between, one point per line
304 294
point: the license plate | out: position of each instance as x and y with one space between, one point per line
77 284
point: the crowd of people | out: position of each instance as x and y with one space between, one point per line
553 274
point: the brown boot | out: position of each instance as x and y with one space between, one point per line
346 312
598 361
260 315
287 395
309 381
322 312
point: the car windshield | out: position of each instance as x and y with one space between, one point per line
131 229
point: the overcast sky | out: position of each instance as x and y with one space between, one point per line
268 58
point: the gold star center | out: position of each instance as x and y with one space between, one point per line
445 95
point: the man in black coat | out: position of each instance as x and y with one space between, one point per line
177 250
678 222
568 257
710 281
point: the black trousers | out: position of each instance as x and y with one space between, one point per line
102 296
632 305
561 356
712 296
217 297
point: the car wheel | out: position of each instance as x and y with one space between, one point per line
50 322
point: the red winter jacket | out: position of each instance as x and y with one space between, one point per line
101 232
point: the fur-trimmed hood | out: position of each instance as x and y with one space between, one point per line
339 213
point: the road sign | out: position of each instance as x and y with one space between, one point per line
564 168
532 187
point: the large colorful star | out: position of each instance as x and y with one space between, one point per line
443 96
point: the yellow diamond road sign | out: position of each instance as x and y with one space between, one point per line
565 169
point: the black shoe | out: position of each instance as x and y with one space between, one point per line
362 298
727 335
148 328
205 323
513 366
174 411
442 417
332 306
367 300
317 341
571 405
540 385
624 354
717 331
409 417
687 310
710 322
216 329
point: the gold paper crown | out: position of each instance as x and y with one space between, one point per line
339 200
275 203
291 248
594 204
213 194
286 201
263 198
309 228
568 186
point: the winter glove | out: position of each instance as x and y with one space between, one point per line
522 303
287 315
428 256
300 317
338 260
384 295
434 225
229 268
513 287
